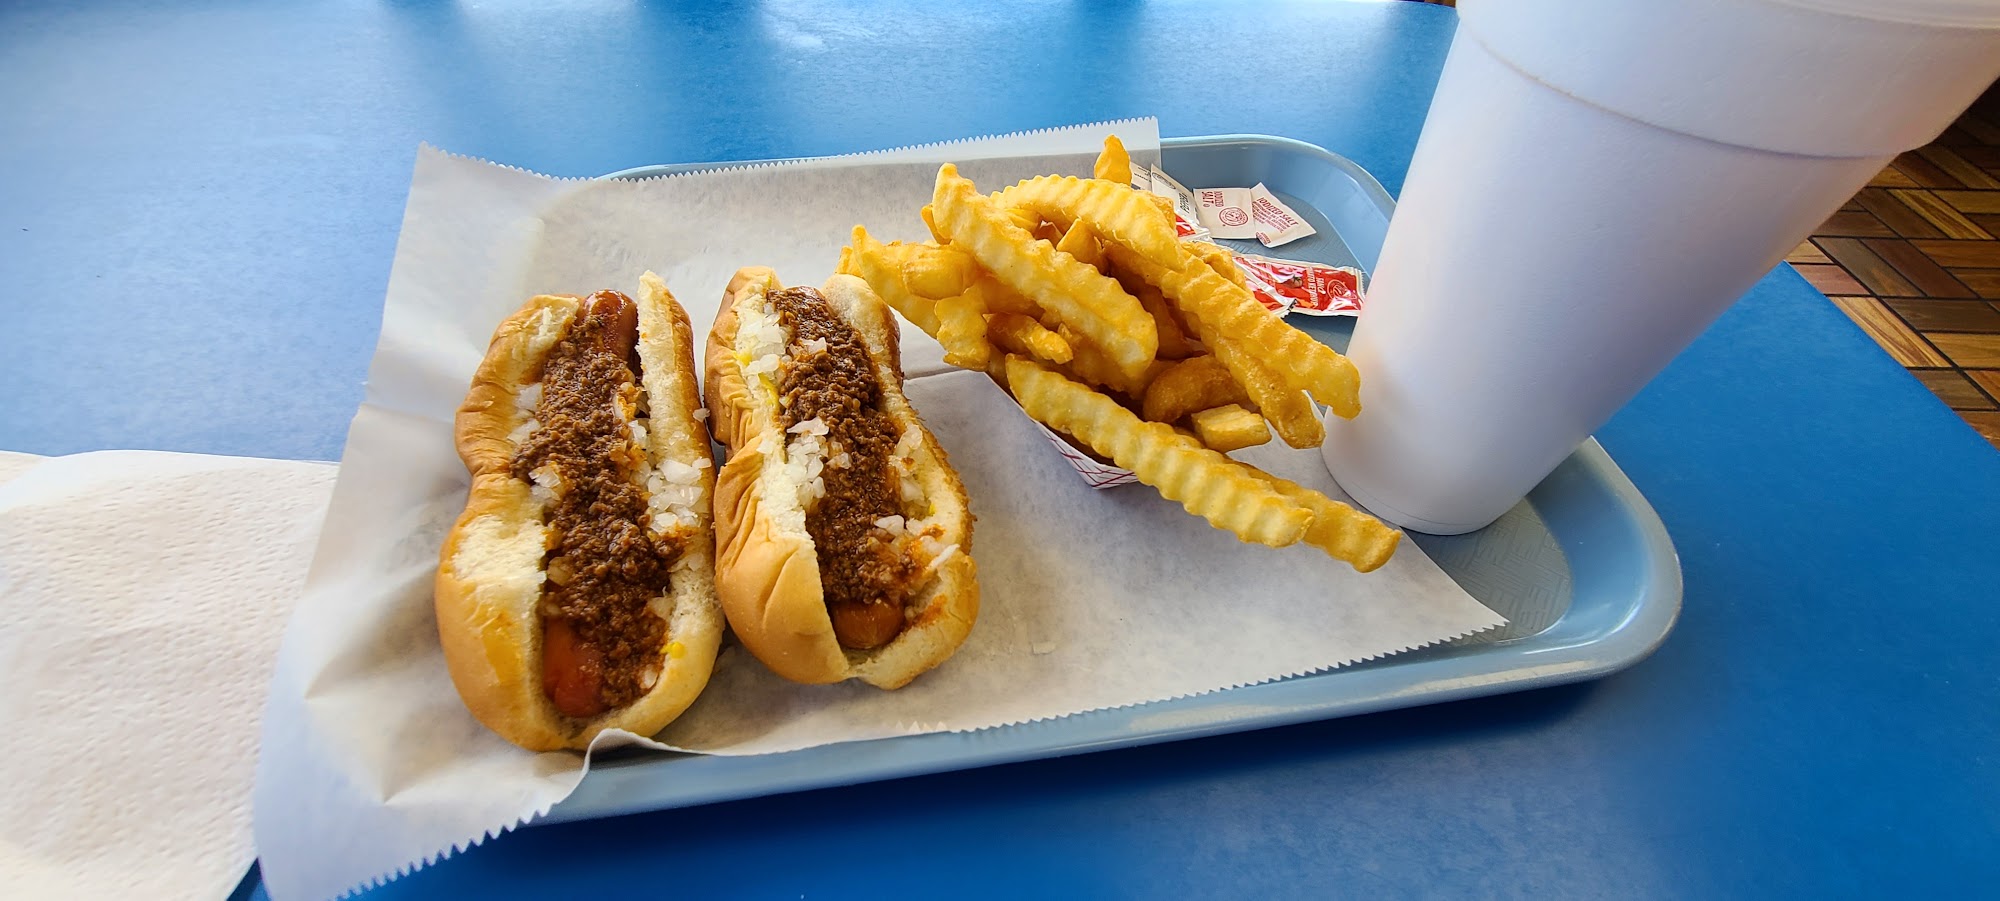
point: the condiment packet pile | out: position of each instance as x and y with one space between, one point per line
1090 600
1282 286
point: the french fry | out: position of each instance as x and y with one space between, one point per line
1165 208
1343 532
931 223
937 272
1219 259
1230 428
1115 212
1174 341
1080 295
1196 383
1291 414
1216 309
1205 482
1113 164
1089 363
1022 335
1080 242
1001 299
874 263
962 331
996 369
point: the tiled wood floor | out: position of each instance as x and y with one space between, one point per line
1914 259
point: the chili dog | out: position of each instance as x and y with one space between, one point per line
842 532
576 593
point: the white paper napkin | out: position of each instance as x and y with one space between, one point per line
142 595
1091 600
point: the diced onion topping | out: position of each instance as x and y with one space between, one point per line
906 447
525 403
529 398
766 340
673 492
521 432
805 459
545 484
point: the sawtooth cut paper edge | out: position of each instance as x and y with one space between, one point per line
416 419
992 147
909 153
616 738
909 727
944 728
290 692
1308 671
619 739
624 739
1145 147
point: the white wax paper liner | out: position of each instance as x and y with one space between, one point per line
370 764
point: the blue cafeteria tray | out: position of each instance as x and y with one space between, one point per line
1582 570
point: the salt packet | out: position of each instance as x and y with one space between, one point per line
1245 213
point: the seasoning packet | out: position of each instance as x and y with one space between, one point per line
1241 214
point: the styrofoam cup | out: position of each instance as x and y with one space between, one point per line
1591 189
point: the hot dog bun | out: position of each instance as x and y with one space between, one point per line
768 571
491 570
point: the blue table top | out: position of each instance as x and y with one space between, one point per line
198 207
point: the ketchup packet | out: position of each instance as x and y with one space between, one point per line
1283 286
1294 286
1280 285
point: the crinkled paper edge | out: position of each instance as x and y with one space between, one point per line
860 156
621 738
908 729
1294 674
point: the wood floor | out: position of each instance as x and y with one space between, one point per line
1914 259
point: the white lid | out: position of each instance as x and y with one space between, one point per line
1846 78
